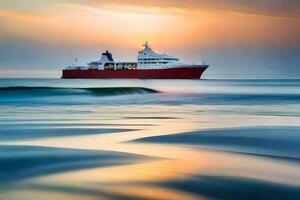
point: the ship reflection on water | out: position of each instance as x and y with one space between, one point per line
150 151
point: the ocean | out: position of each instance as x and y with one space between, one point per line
149 139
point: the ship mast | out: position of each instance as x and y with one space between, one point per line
76 62
146 45
203 62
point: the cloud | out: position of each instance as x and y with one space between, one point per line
108 8
274 8
194 24
22 16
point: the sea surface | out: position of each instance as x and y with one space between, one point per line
149 139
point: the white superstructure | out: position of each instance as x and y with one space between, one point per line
148 59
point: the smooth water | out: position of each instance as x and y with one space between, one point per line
149 139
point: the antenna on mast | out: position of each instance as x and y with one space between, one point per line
203 62
76 62
146 44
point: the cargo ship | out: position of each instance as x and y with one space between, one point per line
149 65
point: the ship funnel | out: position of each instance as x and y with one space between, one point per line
106 57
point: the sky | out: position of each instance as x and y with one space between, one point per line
238 38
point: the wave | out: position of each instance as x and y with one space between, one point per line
89 95
16 161
232 187
250 98
270 141
53 91
171 93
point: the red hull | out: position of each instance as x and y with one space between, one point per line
172 73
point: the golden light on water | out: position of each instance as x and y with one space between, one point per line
152 163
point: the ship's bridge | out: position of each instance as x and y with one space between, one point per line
148 59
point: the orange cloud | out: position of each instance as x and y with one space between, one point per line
271 8
19 15
128 25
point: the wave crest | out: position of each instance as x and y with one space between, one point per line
52 91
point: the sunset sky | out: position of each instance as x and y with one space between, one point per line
240 38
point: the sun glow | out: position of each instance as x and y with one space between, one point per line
126 26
